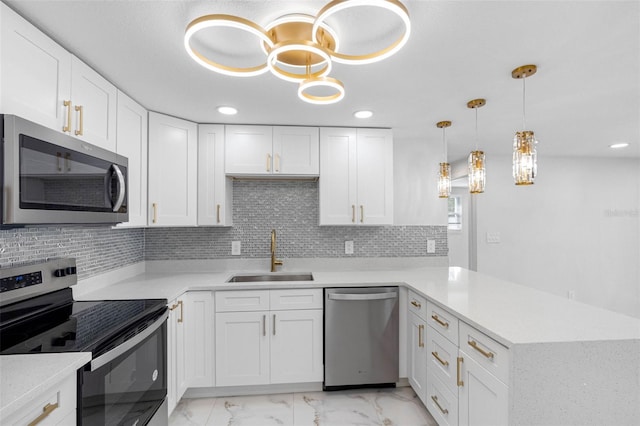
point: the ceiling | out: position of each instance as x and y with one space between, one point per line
585 96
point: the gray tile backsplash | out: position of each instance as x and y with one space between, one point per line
97 248
291 208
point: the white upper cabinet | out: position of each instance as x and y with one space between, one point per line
132 143
270 151
173 162
94 106
356 176
42 82
35 72
215 190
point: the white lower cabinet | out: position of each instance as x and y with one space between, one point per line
256 345
176 384
417 355
483 399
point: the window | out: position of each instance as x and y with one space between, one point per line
455 213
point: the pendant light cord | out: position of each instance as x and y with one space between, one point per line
444 145
476 108
524 93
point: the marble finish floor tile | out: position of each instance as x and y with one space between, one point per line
384 407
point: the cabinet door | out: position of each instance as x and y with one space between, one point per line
132 143
483 399
296 150
337 176
242 348
96 97
172 344
296 346
375 176
248 150
214 188
35 72
173 158
198 348
417 354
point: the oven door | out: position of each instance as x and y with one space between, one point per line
127 385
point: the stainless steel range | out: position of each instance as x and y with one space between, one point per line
126 381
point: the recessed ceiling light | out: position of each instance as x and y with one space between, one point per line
227 110
619 145
363 114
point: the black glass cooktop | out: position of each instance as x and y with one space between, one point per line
55 323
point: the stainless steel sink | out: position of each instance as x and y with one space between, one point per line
299 276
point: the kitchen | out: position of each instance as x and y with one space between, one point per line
573 232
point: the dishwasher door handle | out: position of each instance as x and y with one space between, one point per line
362 296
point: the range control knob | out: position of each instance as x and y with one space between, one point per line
59 273
71 270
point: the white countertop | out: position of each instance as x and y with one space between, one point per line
510 313
24 377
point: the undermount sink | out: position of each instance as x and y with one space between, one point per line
270 277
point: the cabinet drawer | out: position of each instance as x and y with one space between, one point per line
441 358
60 400
284 300
242 300
417 304
441 403
485 351
443 321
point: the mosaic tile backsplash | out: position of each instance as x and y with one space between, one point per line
291 208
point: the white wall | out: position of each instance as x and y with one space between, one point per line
458 240
415 170
577 229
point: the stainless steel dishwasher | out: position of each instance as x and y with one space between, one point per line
360 337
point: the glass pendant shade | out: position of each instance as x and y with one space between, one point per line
477 175
444 180
525 165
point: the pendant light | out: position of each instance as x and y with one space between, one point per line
525 167
444 176
477 176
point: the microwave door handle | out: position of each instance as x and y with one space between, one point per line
121 187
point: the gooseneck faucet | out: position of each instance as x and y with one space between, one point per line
274 261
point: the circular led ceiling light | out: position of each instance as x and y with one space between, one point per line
229 21
326 82
227 110
339 5
363 114
299 47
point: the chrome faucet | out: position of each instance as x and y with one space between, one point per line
274 261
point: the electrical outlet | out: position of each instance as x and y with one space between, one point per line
348 247
571 294
235 248
493 237
431 246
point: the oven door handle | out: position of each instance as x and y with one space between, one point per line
129 344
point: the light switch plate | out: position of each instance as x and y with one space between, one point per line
431 246
493 237
348 247
235 248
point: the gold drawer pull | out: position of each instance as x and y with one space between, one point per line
155 212
361 213
440 360
416 304
269 163
437 319
80 130
475 346
172 307
181 319
420 338
67 128
46 410
218 213
459 381
442 410
353 213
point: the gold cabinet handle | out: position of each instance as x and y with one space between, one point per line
440 360
155 213
181 319
80 131
459 381
269 163
274 324
277 165
67 128
353 213
46 410
172 307
475 346
435 400
58 158
420 337
218 213
416 304
361 213
437 319
264 325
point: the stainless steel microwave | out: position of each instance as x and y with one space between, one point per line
49 177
